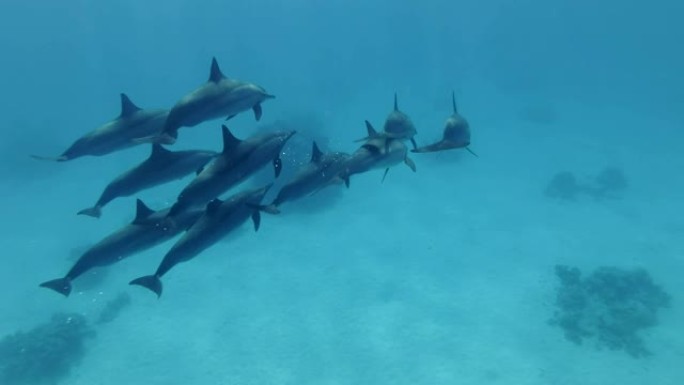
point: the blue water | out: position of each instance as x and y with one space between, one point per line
439 277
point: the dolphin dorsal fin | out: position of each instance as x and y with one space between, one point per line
128 108
215 74
396 105
158 151
213 206
371 131
453 102
229 140
316 153
142 212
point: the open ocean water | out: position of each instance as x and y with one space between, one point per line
449 275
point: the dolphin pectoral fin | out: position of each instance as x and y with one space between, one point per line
270 209
151 282
471 151
230 117
164 138
346 180
277 166
256 218
409 162
434 147
61 158
384 175
60 285
95 211
413 142
257 111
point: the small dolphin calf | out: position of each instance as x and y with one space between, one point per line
219 97
218 220
456 133
397 126
322 171
239 160
160 167
118 134
148 229
379 152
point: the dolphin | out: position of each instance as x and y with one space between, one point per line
219 219
456 133
118 134
239 160
160 167
219 97
148 229
322 171
397 126
379 152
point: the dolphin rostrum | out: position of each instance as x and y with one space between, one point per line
379 152
160 167
118 134
239 160
219 97
456 133
148 229
323 170
219 219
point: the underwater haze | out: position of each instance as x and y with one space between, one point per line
549 251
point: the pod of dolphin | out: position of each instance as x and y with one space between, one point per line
198 213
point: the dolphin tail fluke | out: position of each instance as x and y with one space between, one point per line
95 212
61 158
151 282
60 285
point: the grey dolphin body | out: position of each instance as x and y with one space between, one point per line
379 152
219 97
219 219
148 229
398 125
118 134
456 133
239 160
160 167
323 170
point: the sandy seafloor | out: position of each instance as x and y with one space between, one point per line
440 277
